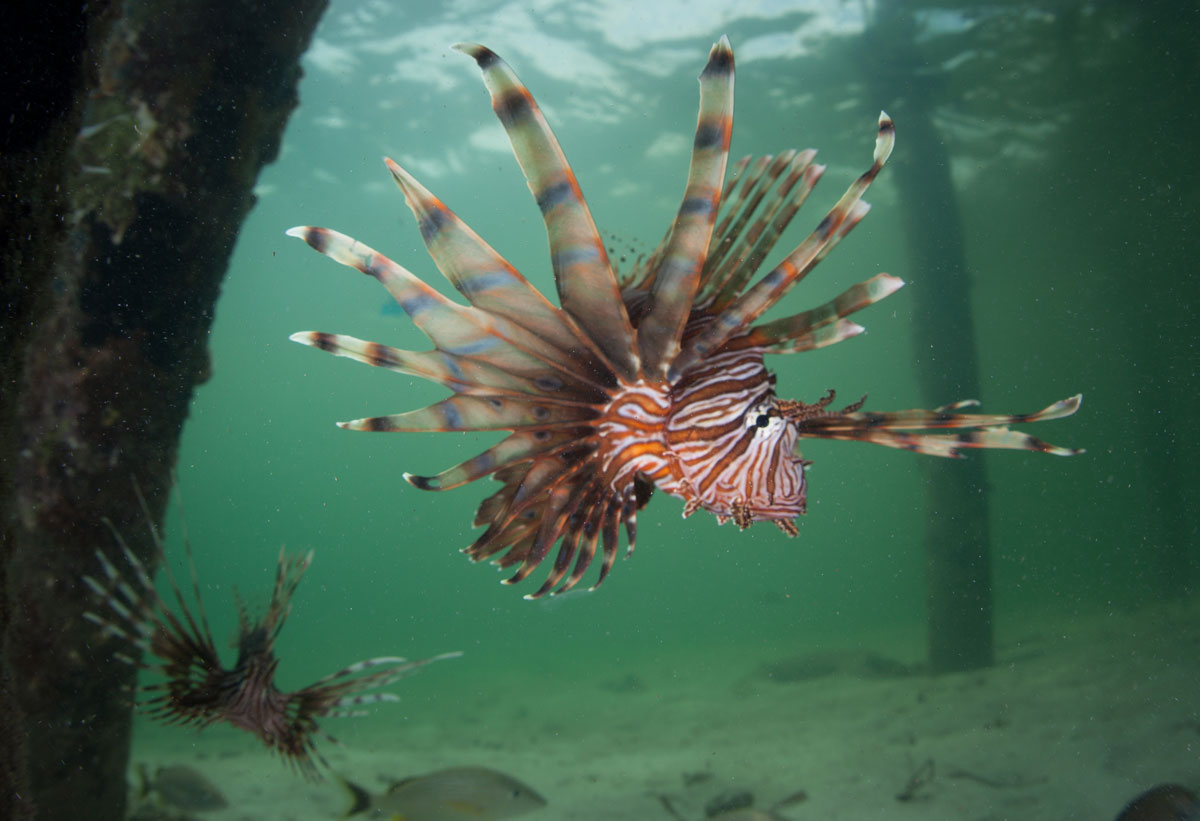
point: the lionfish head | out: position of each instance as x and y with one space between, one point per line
765 482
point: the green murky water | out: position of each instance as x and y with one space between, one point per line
1075 212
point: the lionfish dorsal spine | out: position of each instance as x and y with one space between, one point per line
677 275
756 299
744 229
825 324
587 285
758 239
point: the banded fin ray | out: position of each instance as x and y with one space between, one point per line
562 498
457 329
485 278
677 276
516 510
783 335
980 430
763 234
739 199
349 687
587 285
461 374
840 219
744 190
583 550
819 337
463 412
575 540
516 448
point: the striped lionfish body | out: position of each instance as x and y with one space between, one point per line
196 689
655 379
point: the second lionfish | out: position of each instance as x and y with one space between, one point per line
653 380
194 688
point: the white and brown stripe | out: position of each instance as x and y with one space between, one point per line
734 448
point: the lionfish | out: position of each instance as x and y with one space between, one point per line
654 379
197 690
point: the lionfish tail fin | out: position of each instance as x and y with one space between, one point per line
587 284
677 275
903 429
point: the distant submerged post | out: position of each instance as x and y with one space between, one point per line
958 568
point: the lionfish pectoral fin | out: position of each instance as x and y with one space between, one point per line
558 500
457 330
587 284
516 448
677 276
465 412
595 512
449 325
553 527
349 686
977 430
480 274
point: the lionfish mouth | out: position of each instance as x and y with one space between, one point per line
683 324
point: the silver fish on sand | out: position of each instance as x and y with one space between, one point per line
177 787
452 794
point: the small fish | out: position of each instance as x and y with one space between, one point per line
197 689
446 795
181 787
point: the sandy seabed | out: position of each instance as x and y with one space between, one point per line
1072 722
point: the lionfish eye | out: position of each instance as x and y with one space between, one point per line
761 416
